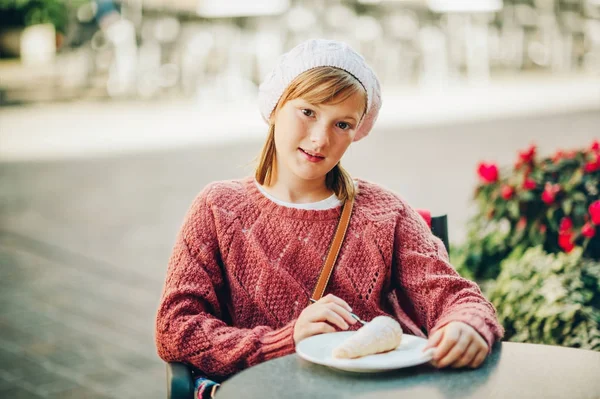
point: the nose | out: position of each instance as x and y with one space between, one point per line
319 135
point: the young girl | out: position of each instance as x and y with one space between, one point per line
250 251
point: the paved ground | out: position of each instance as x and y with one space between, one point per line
87 128
84 244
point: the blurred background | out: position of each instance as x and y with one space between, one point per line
115 114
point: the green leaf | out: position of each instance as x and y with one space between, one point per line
527 196
541 298
552 221
579 197
513 209
574 180
579 210
567 206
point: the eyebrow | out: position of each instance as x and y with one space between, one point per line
344 117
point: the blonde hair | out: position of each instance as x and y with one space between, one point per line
321 85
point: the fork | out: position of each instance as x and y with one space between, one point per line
351 314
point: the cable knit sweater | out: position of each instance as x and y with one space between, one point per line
243 269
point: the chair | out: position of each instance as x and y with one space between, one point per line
180 382
438 226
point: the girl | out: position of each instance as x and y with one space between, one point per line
250 251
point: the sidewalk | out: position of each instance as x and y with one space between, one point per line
84 243
85 129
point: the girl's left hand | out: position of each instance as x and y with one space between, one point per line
457 344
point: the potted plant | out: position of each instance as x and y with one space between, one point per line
31 28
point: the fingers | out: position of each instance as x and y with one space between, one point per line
459 346
327 314
319 328
479 358
323 317
334 314
329 298
455 353
334 310
450 337
434 340
467 356
482 350
343 312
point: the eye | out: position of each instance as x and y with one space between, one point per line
344 125
308 112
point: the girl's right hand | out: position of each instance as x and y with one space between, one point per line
321 317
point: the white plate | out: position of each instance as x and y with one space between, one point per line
318 348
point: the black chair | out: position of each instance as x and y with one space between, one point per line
439 228
180 381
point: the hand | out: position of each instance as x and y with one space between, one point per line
321 317
457 344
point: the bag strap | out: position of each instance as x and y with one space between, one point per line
334 250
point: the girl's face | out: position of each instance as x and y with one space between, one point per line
311 139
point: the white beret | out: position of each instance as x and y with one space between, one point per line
312 54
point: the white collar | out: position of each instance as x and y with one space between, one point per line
327 203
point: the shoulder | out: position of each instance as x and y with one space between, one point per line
377 201
214 209
223 194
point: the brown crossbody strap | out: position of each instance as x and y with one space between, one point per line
334 250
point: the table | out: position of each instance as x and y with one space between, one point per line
513 370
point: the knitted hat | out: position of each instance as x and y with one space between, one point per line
315 53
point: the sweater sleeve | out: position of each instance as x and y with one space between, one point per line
190 324
438 293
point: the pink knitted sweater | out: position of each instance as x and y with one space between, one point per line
243 269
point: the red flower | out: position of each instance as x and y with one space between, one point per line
566 235
522 223
507 192
565 241
593 165
547 197
529 184
595 146
558 156
550 192
543 228
488 173
566 224
588 230
526 157
426 215
594 210
570 154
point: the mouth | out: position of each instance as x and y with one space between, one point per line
312 156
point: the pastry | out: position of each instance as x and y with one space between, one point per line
382 334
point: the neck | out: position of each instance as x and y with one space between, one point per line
296 190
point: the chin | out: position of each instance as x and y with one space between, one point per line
309 175
311 172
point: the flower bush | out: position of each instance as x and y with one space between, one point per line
552 202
